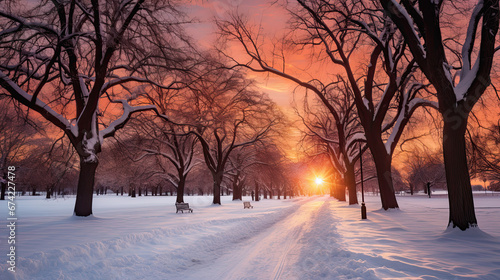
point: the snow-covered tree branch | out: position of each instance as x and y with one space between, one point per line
64 60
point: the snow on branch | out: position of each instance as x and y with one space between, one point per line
34 25
38 105
403 20
174 183
403 117
469 39
128 110
468 74
356 137
336 159
466 82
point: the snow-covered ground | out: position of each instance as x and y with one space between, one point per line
303 238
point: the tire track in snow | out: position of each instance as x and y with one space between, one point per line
207 249
290 242
268 254
293 237
322 254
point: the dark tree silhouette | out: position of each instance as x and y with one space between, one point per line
83 66
15 135
385 94
229 115
419 22
175 145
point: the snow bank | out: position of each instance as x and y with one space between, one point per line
415 243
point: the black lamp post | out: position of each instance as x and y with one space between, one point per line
363 206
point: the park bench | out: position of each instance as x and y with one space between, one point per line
246 204
183 206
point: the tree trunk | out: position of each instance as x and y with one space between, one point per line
350 182
237 189
257 190
48 193
237 194
84 191
461 202
217 189
384 176
340 191
4 187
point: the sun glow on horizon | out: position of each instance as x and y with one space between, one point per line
318 181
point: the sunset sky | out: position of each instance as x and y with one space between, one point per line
273 18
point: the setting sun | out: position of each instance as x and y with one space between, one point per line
318 181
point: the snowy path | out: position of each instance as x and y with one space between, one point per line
302 246
270 252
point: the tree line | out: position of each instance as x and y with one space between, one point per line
91 68
388 59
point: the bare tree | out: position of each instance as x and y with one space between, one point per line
271 171
172 143
239 169
116 168
60 161
15 137
424 167
419 22
48 165
83 66
385 100
339 138
483 151
229 115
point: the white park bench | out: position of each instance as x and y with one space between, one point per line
246 204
